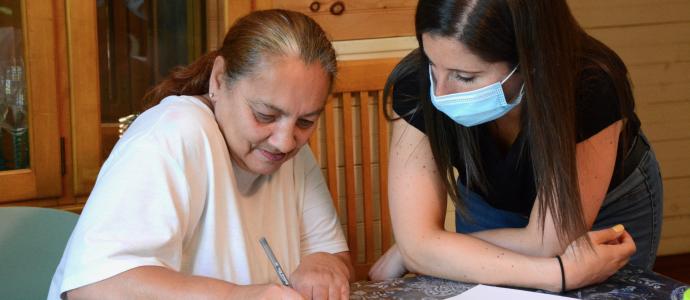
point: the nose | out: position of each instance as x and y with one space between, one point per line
284 137
439 86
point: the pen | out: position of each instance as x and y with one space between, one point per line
274 261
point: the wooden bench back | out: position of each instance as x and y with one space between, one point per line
351 144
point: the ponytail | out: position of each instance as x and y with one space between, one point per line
185 80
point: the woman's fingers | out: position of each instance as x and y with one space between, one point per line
608 235
627 245
345 292
612 250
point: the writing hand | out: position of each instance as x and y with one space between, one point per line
322 276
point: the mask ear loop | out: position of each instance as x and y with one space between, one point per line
522 87
431 79
511 74
519 95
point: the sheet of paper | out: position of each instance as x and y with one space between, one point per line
485 292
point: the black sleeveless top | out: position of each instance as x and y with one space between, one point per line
510 176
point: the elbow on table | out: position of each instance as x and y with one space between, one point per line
413 257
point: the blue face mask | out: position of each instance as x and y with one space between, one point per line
475 107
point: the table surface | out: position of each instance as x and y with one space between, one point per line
628 283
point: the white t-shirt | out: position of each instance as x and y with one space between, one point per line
168 196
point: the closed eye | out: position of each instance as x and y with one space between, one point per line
263 118
304 123
466 79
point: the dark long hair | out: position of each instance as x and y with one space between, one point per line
552 51
249 41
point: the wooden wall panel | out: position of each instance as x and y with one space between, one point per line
666 121
658 43
674 158
675 226
613 13
676 195
360 19
668 92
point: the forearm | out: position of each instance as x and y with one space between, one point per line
468 259
417 207
151 282
522 240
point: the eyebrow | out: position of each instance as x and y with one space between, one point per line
275 108
456 70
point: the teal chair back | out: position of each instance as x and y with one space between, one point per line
32 240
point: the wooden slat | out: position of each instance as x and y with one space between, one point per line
677 196
65 112
362 271
331 168
49 202
365 143
660 74
217 19
41 55
348 139
675 226
214 33
674 245
314 144
598 13
233 10
662 93
673 157
653 43
386 230
354 76
351 5
368 24
17 184
361 19
84 94
666 121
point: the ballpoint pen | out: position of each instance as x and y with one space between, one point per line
274 261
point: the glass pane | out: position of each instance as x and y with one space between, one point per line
14 133
140 41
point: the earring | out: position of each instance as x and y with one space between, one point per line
212 94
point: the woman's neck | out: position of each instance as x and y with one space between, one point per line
246 181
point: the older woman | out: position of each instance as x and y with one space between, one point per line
195 182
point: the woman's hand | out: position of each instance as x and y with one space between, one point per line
611 250
390 265
322 276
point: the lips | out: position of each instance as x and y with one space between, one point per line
272 156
